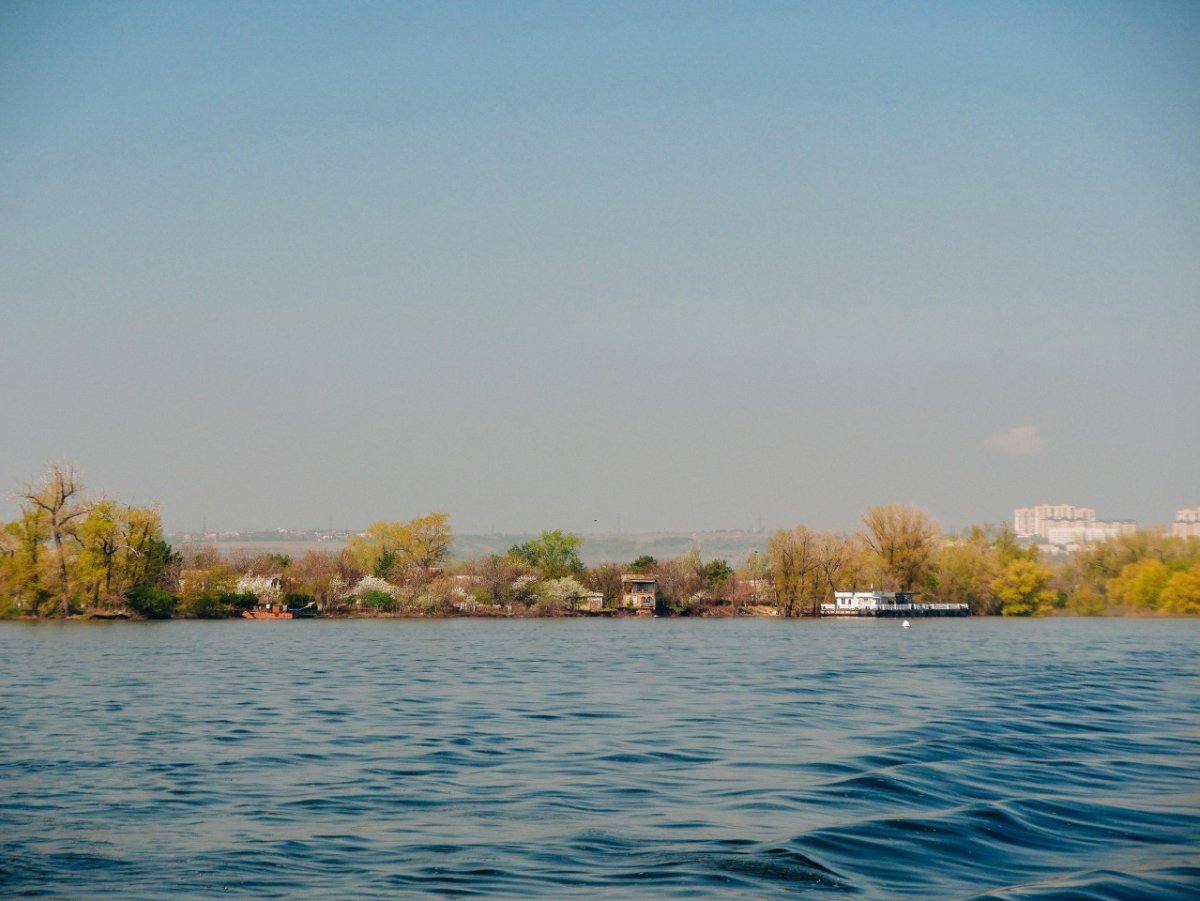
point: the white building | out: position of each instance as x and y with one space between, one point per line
1034 522
1187 523
1064 524
887 603
868 600
1068 534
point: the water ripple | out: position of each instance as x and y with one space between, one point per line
978 759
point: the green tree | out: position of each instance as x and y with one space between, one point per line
553 554
717 575
643 564
150 602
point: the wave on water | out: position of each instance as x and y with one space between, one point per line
957 760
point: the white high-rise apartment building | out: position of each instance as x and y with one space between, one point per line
1034 522
1066 524
1187 523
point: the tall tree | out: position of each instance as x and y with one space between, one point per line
903 539
402 550
426 541
839 558
795 569
554 554
120 547
967 567
22 563
59 498
1023 586
101 542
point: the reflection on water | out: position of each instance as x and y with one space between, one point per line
626 759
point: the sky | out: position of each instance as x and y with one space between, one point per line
668 266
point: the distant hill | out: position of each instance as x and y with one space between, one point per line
734 546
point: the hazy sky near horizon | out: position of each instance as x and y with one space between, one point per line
539 265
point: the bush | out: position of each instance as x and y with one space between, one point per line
151 602
208 605
238 602
378 600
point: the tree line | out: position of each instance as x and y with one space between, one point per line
68 554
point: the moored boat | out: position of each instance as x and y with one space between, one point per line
279 611
887 603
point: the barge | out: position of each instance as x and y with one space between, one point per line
279 611
887 603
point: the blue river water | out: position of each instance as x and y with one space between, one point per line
981 758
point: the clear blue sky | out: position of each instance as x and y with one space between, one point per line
540 264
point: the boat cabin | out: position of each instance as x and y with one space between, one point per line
871 600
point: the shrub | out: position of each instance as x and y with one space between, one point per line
151 602
208 605
378 600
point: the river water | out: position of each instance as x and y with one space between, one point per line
982 758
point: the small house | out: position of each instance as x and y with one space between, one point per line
639 593
589 602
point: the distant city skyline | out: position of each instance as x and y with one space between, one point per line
545 265
1038 520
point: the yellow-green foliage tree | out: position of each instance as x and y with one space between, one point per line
1100 568
903 539
1181 594
56 505
1139 584
795 570
68 552
1085 601
21 565
1023 588
966 568
402 551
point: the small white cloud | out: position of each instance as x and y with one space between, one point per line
1022 441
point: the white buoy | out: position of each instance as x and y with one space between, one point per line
906 625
